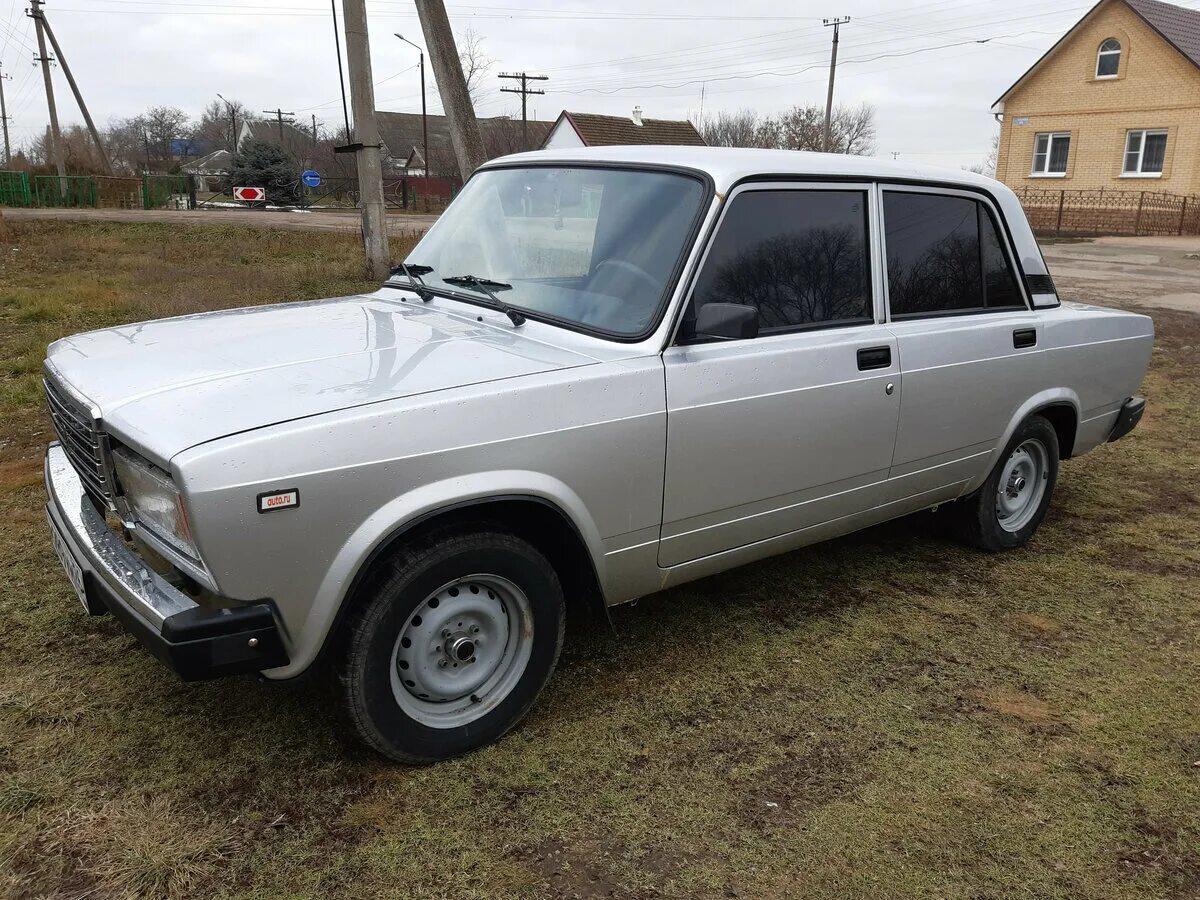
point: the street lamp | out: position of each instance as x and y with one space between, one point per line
232 123
424 115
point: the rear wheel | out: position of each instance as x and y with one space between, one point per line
1007 509
453 641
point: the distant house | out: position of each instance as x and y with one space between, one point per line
574 129
404 143
297 141
1113 104
209 170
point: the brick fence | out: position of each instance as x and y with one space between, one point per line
1111 212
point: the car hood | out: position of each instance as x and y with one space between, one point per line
170 384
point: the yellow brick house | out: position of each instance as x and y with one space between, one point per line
1114 104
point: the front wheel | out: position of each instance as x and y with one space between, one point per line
452 643
1007 509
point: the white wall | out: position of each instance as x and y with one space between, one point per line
562 137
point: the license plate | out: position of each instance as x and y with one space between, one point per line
74 572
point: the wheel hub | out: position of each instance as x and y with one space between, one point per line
464 644
1022 485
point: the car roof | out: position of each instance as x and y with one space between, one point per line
729 165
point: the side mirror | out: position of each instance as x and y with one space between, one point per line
727 321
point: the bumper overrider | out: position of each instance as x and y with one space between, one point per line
196 641
1128 418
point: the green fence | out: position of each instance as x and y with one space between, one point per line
128 192
14 189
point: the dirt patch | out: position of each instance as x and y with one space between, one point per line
1026 708
585 869
1163 849
788 790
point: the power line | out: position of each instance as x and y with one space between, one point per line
524 90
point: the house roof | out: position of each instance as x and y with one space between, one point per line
1177 26
401 133
601 131
216 163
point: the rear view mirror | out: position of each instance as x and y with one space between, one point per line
727 321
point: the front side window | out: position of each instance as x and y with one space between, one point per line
1145 152
1050 153
944 254
799 256
594 247
1108 59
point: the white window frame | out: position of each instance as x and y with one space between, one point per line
1102 52
1141 152
1050 137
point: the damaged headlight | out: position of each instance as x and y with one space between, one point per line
153 500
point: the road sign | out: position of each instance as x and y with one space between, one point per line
249 194
311 178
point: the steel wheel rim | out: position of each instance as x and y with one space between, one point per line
462 650
1022 485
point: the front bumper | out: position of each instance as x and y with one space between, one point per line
198 642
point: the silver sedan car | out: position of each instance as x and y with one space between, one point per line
602 373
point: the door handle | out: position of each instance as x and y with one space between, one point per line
1025 337
874 358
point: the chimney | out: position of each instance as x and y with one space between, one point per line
637 116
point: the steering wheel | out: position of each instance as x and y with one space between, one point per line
629 268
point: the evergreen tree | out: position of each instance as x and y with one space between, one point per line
266 165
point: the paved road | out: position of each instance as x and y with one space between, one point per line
317 220
1129 271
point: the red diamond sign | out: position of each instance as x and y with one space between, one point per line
249 194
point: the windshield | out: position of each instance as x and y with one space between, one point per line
596 247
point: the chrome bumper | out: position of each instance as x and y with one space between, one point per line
198 642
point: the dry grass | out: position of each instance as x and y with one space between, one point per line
886 715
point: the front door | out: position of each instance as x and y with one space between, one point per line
774 434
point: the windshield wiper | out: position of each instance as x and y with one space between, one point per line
417 283
488 287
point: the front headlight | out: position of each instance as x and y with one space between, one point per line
153 500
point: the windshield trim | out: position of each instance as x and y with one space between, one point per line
702 208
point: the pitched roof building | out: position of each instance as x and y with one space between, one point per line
574 129
403 140
1114 104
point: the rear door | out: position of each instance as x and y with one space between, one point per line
969 345
773 434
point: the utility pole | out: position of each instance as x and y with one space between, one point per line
424 113
279 114
524 90
233 135
836 23
314 127
4 121
87 116
56 149
366 143
452 85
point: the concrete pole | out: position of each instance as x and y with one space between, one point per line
366 134
56 149
452 86
87 116
836 23
4 121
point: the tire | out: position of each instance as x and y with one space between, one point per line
1006 510
415 694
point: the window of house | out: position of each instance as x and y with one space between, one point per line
1145 152
944 255
799 256
1108 59
1050 153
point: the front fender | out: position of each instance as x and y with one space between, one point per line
397 514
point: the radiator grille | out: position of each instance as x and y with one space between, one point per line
79 437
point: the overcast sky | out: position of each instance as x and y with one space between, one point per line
917 63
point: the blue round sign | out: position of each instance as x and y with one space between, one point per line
311 178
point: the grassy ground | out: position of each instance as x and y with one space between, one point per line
887 715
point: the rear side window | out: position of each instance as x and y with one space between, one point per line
799 256
944 255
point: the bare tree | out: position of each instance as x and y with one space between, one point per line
215 125
163 125
852 129
988 166
476 64
125 140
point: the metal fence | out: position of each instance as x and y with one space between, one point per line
97 191
1111 212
